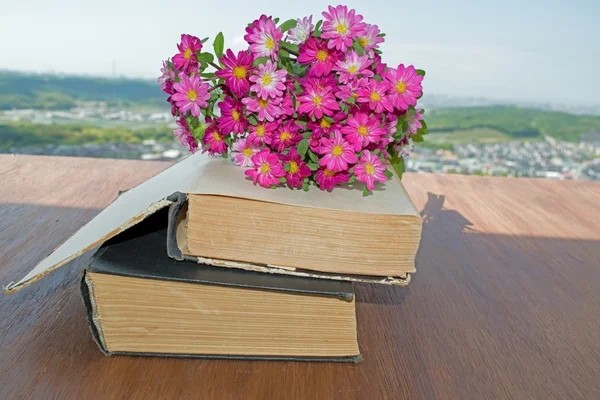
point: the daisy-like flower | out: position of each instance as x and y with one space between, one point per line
328 179
301 32
287 105
369 170
337 153
404 147
317 102
352 66
370 40
232 117
268 81
360 130
267 169
191 94
380 67
322 127
236 71
267 109
243 151
414 122
261 132
405 86
263 37
166 79
213 141
321 58
323 82
341 26
183 131
186 59
375 94
285 136
296 169
344 92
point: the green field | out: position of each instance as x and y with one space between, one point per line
475 135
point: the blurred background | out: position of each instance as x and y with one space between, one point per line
512 88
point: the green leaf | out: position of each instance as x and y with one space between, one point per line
328 119
312 157
352 179
289 46
420 72
377 78
285 54
287 25
276 20
306 135
318 25
204 40
359 49
286 167
312 166
298 87
417 138
378 51
388 173
227 140
260 60
305 186
281 179
219 44
208 74
206 57
302 147
366 191
381 35
317 33
252 120
398 165
351 100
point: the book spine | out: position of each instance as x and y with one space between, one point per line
176 214
91 311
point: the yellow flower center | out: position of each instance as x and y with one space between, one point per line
260 130
293 167
375 96
317 100
337 150
270 43
352 69
264 168
247 152
355 95
322 55
325 123
187 54
363 130
363 41
235 115
328 173
341 29
285 135
266 79
263 104
216 136
239 72
401 87
369 168
192 95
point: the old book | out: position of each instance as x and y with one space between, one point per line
141 302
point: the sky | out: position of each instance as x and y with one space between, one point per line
529 51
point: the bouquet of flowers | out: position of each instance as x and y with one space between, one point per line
303 105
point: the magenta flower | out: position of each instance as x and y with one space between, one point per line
297 169
236 71
353 66
263 37
375 95
404 147
267 169
324 82
369 170
213 141
185 135
370 40
287 105
328 179
268 82
301 32
322 127
261 133
405 86
166 79
232 117
316 53
347 91
317 102
266 109
360 130
341 26
285 136
380 67
337 153
243 151
414 122
191 94
186 60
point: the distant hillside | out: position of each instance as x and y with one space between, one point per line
518 123
55 92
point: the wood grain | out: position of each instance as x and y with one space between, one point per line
504 303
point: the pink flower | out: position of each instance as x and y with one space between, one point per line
297 169
243 151
405 86
316 53
301 32
166 79
317 102
338 153
263 37
349 90
369 170
236 71
404 147
268 82
324 82
353 66
360 130
414 122
191 94
213 141
267 169
370 40
266 109
379 66
185 136
232 116
186 60
322 127
341 26
261 133
327 179
287 105
286 136
375 96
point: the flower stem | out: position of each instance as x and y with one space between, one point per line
215 87
214 65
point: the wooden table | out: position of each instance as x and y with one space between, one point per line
505 303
